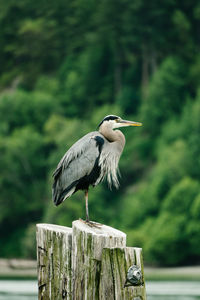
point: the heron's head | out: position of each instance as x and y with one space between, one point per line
113 122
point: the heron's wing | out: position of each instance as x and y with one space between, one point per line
75 151
77 162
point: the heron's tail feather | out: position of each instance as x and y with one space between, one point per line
59 195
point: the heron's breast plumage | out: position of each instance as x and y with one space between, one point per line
108 162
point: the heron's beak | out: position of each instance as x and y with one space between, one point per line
129 123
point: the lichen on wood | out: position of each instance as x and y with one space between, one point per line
86 263
87 245
54 261
115 263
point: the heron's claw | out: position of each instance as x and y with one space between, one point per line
91 223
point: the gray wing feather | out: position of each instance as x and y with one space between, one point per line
77 162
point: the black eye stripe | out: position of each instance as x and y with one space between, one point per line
108 118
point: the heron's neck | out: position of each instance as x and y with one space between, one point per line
112 135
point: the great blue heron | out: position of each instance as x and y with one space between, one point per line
90 159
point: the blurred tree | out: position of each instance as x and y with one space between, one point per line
167 242
23 169
166 93
64 66
21 108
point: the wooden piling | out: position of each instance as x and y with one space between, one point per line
54 262
85 262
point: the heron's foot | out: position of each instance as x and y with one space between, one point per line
91 223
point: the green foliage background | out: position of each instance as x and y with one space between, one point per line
67 64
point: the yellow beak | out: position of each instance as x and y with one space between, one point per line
130 123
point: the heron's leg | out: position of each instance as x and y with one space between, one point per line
87 221
86 206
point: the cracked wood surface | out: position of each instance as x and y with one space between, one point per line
87 245
85 263
115 263
54 261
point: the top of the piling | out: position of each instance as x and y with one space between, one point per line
98 229
55 228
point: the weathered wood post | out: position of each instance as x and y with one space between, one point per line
90 263
54 261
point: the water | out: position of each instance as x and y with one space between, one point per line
18 290
162 290
173 290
